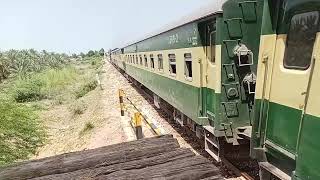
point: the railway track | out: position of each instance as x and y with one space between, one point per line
227 168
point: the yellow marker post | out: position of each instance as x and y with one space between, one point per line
121 93
138 125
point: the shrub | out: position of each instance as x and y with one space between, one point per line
56 80
46 84
87 127
28 90
87 87
78 107
101 52
20 132
90 53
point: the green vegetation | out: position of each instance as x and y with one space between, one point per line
78 107
20 132
28 90
87 127
96 53
46 84
28 81
14 63
85 88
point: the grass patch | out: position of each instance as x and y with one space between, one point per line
46 84
78 107
57 80
20 132
87 127
85 88
28 90
95 61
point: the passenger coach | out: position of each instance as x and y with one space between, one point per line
240 73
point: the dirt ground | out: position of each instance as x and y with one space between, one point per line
117 129
65 130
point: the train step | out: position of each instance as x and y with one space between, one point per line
211 143
265 166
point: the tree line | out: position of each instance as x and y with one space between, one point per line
19 63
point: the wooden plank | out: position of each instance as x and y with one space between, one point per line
91 173
90 158
195 167
152 158
216 177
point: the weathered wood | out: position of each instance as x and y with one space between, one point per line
195 167
152 158
216 177
84 159
128 165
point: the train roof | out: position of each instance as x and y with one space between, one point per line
114 50
203 12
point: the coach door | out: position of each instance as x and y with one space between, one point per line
292 69
210 76
308 145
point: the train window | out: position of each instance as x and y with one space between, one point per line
140 60
160 62
172 64
152 61
145 61
300 41
137 59
188 66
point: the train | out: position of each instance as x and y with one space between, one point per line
241 73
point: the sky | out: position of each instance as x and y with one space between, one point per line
74 26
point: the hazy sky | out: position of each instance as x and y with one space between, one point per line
79 25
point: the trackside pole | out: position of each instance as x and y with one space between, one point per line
136 120
121 93
99 81
138 126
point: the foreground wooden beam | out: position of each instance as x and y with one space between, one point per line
158 157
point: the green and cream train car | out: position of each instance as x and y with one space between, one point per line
241 73
204 66
287 101
115 57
